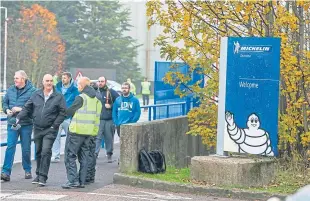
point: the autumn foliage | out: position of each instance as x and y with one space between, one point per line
198 26
35 45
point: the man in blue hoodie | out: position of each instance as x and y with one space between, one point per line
15 98
67 88
126 108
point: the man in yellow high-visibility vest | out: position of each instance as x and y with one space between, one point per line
132 87
146 91
86 110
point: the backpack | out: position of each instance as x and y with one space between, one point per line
151 162
160 160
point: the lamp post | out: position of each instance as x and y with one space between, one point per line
5 45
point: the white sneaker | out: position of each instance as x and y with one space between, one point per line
55 160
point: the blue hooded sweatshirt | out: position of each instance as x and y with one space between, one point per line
126 110
69 93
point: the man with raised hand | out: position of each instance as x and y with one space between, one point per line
107 128
47 107
15 98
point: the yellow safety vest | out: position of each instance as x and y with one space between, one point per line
86 120
132 88
146 88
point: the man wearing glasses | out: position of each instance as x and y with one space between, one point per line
126 108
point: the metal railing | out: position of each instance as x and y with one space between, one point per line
151 115
4 144
153 108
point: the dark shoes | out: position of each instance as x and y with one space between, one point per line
87 182
41 183
38 182
28 175
35 181
109 158
5 177
70 185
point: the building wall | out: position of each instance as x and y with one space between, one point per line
147 53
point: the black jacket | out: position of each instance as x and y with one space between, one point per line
106 114
45 114
78 101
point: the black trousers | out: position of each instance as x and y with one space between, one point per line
146 99
77 146
44 140
118 130
92 159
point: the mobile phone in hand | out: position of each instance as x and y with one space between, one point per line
15 127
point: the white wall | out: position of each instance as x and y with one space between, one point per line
147 53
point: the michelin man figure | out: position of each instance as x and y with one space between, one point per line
251 140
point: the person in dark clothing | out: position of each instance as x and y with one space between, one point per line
91 160
107 128
15 98
47 107
85 110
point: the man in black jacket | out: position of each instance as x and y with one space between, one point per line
107 128
47 107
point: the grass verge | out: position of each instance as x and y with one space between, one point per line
171 175
286 181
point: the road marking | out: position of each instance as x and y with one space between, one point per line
26 196
170 196
125 196
153 196
4 195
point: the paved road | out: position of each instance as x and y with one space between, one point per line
103 189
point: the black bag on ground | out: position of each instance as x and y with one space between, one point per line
159 159
151 162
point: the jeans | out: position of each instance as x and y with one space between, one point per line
56 146
44 140
77 146
106 131
12 136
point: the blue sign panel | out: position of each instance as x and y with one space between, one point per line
251 95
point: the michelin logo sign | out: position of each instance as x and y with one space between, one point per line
248 96
250 48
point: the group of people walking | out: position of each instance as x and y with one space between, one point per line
86 116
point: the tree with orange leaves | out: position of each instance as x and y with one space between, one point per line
35 45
